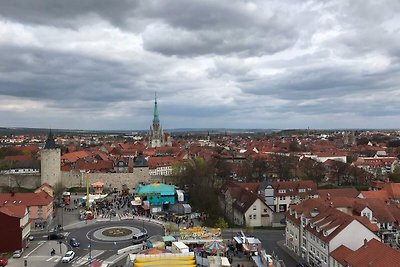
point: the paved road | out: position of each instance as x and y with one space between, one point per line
269 239
102 250
38 254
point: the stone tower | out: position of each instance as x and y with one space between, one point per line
156 134
50 162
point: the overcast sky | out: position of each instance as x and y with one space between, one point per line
96 64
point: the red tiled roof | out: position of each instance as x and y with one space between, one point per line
18 158
74 156
18 211
393 190
292 187
28 199
338 192
374 254
154 162
341 253
100 165
378 194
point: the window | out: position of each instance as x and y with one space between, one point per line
302 190
254 207
40 211
254 216
282 191
250 216
282 198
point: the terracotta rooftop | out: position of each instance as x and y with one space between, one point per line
338 192
18 211
374 254
27 199
340 254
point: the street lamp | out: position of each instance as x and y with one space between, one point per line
90 250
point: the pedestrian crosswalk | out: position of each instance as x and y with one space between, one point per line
54 259
84 260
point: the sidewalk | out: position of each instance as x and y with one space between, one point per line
298 259
242 260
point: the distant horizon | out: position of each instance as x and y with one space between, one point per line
202 129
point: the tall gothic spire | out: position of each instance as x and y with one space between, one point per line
156 119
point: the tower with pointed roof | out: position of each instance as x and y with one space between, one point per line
156 134
50 162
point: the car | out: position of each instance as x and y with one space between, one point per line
31 238
3 262
68 256
55 236
17 253
139 238
74 242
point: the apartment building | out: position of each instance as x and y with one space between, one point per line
314 230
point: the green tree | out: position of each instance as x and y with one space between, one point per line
221 223
395 175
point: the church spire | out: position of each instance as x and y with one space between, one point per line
156 119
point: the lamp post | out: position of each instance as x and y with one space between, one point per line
90 250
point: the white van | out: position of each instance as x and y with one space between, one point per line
139 238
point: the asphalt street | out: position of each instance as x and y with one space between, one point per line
105 251
269 239
102 250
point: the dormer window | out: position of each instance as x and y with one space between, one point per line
325 234
282 191
302 190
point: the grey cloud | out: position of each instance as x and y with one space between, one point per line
283 62
66 78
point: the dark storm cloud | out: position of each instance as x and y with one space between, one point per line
66 78
220 27
62 13
232 63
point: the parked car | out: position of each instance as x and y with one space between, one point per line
139 238
68 256
31 237
3 262
55 236
74 242
17 253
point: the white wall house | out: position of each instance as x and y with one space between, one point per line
322 229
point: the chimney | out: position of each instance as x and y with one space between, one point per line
365 242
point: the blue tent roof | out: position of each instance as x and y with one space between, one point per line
156 188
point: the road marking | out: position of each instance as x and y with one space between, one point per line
34 250
49 259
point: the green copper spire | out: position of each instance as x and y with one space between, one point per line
156 120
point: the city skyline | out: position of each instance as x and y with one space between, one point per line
95 65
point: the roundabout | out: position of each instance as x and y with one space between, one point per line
115 233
